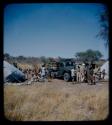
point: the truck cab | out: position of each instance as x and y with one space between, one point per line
62 69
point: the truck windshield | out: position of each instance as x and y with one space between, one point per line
69 64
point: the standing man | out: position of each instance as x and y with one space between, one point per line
87 72
73 74
82 68
43 71
91 77
103 74
78 74
48 74
96 75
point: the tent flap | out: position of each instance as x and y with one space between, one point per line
12 74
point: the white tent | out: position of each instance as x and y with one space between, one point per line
106 67
12 74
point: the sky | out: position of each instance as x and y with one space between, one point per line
52 30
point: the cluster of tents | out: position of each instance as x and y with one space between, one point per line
12 74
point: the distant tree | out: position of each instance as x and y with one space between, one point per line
21 57
59 58
104 25
51 59
89 55
81 56
6 56
43 59
98 55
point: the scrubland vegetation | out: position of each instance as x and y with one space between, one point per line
56 101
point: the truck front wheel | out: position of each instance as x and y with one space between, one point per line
66 77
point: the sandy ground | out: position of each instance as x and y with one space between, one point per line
69 87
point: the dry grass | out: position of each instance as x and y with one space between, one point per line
24 66
56 101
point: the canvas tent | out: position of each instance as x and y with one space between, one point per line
106 67
12 74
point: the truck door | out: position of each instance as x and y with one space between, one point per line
60 70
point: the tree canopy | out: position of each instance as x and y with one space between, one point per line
89 55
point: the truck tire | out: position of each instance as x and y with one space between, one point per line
66 77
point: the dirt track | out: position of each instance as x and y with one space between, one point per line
70 87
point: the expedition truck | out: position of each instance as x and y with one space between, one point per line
62 69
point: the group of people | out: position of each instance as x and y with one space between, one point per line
34 75
88 73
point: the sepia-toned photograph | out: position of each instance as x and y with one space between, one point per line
56 62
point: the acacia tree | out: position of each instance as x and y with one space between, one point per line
89 55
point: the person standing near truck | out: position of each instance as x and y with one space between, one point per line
43 71
86 72
73 74
82 68
78 74
91 76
